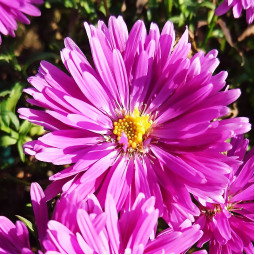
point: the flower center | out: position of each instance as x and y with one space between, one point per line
210 213
134 126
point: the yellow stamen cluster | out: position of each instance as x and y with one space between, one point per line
134 126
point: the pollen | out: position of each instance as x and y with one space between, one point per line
135 127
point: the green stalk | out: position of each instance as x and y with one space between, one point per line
106 8
209 32
169 7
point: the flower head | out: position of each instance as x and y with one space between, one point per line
14 239
15 10
79 225
146 119
238 6
229 227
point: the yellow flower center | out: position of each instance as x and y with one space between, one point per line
134 126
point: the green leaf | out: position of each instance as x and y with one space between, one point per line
36 130
217 33
7 57
6 140
210 16
20 150
14 119
14 134
149 16
177 19
14 97
87 7
3 106
170 6
25 127
47 5
4 93
208 5
28 223
5 119
102 9
11 58
3 127
27 139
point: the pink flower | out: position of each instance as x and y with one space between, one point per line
146 119
238 6
12 11
229 227
80 225
14 239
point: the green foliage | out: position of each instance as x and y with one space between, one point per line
28 224
10 58
83 6
14 131
187 11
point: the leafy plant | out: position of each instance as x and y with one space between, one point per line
13 130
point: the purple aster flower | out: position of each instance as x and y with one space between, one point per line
12 11
238 6
14 239
146 119
229 227
79 225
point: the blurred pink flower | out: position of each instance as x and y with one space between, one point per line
229 227
79 225
12 11
146 119
238 6
14 239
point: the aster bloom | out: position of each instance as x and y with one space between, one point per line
14 239
79 225
146 119
238 6
15 10
229 227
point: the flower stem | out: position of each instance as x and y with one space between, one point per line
209 32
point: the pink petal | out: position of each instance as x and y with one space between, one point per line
40 209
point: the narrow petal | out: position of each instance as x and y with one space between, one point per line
40 209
